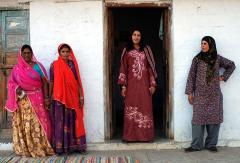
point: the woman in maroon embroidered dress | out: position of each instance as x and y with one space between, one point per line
137 79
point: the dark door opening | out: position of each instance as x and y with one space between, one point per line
151 22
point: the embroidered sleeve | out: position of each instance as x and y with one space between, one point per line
229 67
191 80
122 79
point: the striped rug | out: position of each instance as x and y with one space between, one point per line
68 159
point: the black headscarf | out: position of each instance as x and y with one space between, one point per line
209 57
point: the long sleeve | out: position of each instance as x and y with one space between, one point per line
228 65
122 79
191 81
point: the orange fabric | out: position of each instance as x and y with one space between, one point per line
66 89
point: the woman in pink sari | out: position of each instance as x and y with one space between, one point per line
28 100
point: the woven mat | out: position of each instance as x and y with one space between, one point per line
12 158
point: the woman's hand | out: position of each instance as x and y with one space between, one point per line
81 98
81 101
47 103
19 91
124 90
152 90
221 78
190 99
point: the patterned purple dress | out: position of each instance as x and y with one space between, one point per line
63 121
208 100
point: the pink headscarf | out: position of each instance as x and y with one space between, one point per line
28 79
24 76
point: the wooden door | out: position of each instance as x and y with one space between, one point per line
14 32
169 80
109 48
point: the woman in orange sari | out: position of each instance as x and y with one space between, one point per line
67 97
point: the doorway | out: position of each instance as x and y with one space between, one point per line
154 25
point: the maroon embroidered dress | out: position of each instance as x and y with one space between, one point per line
138 76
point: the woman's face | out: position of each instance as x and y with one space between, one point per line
27 55
204 46
64 53
136 37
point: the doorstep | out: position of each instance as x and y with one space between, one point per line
119 145
156 145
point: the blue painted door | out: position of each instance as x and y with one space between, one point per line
14 32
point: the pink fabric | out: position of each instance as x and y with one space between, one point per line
25 77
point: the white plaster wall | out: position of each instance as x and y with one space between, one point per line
79 24
191 20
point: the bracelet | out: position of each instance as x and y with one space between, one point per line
22 95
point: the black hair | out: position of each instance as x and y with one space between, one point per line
64 46
26 47
130 42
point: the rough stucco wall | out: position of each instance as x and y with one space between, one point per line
191 21
81 25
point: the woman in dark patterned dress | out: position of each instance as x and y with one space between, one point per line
204 93
67 103
137 80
